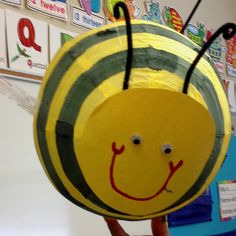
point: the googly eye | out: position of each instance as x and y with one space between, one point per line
136 139
166 148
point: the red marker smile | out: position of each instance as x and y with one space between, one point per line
173 168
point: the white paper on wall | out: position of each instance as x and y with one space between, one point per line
230 92
53 8
12 2
27 40
57 37
227 195
3 58
81 18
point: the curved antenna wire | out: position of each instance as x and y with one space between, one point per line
228 30
129 40
190 16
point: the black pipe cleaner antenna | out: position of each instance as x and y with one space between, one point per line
129 40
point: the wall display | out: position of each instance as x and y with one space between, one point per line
229 87
230 44
133 8
3 58
81 18
27 41
231 71
234 53
153 11
137 9
227 199
172 18
57 37
53 8
196 33
220 66
216 52
231 56
12 2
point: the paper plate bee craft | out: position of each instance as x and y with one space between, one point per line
132 150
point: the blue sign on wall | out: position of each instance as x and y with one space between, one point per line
214 227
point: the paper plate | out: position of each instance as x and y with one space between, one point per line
138 153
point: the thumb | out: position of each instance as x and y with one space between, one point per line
114 227
159 226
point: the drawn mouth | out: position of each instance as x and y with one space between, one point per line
173 168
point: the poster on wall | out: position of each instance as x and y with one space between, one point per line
231 56
196 33
137 12
12 2
57 37
153 11
3 58
27 43
172 18
231 71
92 6
81 18
227 197
216 51
133 9
53 8
229 88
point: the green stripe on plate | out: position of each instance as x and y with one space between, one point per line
56 180
143 57
66 61
78 49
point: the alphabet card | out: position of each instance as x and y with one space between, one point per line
57 37
27 41
53 8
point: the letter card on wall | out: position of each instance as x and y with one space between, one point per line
57 37
27 40
53 8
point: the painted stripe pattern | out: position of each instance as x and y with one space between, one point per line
85 82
